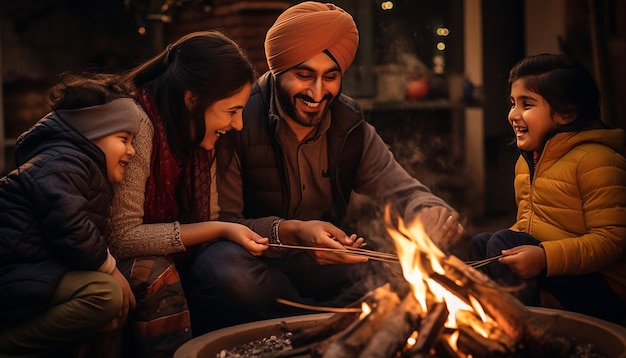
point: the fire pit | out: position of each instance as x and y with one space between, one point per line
608 337
450 310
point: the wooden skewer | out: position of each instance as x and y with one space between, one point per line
374 255
481 263
319 308
346 251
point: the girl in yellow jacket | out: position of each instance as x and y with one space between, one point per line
569 237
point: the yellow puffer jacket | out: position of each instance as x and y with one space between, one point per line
576 204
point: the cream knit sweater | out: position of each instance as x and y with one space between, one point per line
130 237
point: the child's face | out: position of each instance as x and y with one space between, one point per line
118 150
531 118
224 115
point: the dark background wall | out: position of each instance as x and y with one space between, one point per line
42 38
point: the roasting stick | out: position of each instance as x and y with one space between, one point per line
319 308
380 256
367 253
481 263
373 253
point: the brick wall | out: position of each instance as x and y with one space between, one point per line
244 21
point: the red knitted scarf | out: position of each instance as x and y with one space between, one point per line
176 189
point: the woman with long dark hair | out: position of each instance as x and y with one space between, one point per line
191 93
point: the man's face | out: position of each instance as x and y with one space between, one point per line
306 91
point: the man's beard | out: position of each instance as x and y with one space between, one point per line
305 119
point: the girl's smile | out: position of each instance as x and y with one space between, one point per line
531 118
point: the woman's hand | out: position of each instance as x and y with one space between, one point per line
317 233
245 237
527 261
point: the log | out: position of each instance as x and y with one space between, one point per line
472 343
430 330
323 330
353 339
395 330
534 336
444 350
493 331
334 324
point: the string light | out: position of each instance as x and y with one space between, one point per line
386 5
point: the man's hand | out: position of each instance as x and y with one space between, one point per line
527 261
317 233
441 225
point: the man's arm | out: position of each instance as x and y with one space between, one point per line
382 177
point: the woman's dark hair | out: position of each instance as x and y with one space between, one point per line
207 63
564 83
74 91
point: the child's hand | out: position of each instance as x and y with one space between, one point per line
527 261
247 238
128 304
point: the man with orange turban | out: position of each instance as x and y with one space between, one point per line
304 148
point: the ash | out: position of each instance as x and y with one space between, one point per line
257 348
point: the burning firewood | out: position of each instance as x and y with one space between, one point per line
395 330
528 332
430 330
479 346
453 310
354 338
427 268
337 322
498 344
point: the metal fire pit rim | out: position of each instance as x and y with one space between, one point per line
609 337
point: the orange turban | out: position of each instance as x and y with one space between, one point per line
307 29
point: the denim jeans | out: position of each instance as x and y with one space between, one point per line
225 285
587 293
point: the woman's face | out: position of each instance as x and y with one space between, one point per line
531 118
224 115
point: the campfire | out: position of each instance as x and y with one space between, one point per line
451 310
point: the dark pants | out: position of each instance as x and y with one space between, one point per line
225 285
82 304
588 294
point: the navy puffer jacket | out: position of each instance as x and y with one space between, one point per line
53 212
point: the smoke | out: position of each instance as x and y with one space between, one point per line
426 157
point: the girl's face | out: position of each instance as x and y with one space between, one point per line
531 118
224 115
118 150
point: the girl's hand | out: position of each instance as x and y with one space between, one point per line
247 238
527 261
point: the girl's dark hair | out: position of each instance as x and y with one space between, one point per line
564 83
207 63
74 91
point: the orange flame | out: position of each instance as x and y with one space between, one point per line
419 257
